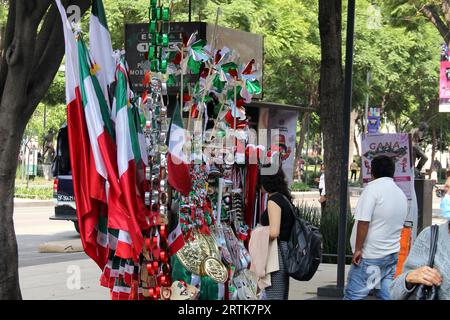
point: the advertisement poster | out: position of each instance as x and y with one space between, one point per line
373 120
281 126
444 87
395 145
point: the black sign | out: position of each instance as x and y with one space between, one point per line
137 40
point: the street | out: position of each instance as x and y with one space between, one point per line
33 228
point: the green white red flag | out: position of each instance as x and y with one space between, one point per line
177 160
101 47
85 177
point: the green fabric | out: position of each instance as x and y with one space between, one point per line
179 272
209 289
194 66
98 10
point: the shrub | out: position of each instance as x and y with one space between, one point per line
313 160
442 175
310 178
354 184
328 224
299 186
34 192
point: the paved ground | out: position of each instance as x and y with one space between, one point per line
54 275
58 281
33 228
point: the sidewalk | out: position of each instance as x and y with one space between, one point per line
20 202
58 281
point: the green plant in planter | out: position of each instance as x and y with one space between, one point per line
328 224
35 192
299 186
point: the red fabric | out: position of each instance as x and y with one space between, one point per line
85 182
135 207
250 193
249 67
119 215
178 175
230 120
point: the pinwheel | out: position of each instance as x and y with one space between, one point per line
196 54
251 85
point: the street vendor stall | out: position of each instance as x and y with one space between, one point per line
177 142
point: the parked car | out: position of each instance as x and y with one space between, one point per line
63 194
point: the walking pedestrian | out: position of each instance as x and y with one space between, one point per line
322 192
380 215
353 168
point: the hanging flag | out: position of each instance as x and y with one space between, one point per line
101 48
128 157
102 136
176 239
88 208
178 174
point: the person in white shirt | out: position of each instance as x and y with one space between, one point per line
380 215
322 199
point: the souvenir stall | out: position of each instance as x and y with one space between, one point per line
201 184
167 207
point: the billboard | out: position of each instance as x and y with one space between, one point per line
444 87
395 145
248 45
281 128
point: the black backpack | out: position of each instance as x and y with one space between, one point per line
304 250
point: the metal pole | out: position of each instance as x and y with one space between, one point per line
345 149
190 10
440 156
366 109
43 130
307 147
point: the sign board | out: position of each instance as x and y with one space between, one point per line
248 45
373 120
395 145
444 87
281 128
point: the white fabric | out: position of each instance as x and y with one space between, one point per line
95 125
272 265
264 256
384 205
124 144
102 54
72 68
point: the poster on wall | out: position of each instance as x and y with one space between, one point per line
444 87
281 128
373 120
395 145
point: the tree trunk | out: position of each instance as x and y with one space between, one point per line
303 128
33 50
355 141
331 96
9 151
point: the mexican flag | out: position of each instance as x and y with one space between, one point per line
100 47
89 209
101 136
176 239
177 160
129 157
